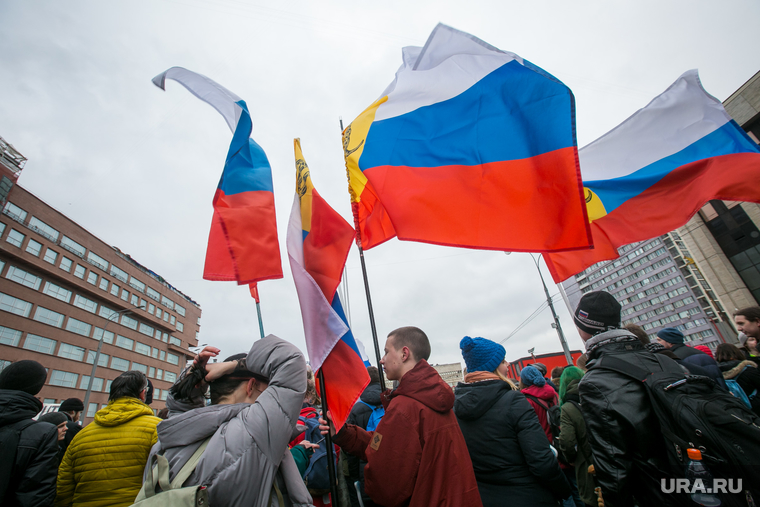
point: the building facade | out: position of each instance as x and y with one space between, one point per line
63 291
451 373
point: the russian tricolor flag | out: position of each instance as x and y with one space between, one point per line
653 172
469 146
242 243
319 240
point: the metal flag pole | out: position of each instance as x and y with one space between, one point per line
330 450
556 325
369 301
261 323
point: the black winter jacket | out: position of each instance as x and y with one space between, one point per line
509 450
690 355
32 482
627 444
747 375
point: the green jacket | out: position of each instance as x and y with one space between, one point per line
574 444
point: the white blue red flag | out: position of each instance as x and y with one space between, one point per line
653 172
242 243
319 240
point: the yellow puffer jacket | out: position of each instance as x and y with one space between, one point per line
104 464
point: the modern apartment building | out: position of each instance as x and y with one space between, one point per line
63 290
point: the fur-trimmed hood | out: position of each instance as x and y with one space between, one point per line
735 368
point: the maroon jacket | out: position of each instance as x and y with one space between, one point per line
548 397
417 456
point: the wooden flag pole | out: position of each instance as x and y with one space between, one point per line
330 450
369 301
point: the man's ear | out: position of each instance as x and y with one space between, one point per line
143 394
250 387
406 353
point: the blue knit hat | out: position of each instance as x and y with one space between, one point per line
481 354
671 335
530 376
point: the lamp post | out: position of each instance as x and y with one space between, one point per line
556 324
97 355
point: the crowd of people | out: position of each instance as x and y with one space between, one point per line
613 429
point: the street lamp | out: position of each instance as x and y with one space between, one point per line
555 325
110 319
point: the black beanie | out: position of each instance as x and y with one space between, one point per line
26 375
597 312
54 418
71 405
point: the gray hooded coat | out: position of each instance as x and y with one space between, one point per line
249 446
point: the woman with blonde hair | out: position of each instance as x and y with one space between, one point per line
510 454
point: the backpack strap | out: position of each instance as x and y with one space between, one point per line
9 448
189 467
539 402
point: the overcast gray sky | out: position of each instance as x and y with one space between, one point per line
138 167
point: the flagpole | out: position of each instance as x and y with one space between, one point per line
330 450
261 323
369 301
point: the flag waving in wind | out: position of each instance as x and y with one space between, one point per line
469 146
242 243
653 172
319 240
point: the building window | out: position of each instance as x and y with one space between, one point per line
57 292
152 372
108 385
136 284
43 229
162 356
66 264
146 329
24 278
71 352
97 260
180 326
78 327
15 238
114 290
140 367
153 294
134 300
154 352
172 359
159 373
158 334
39 344
166 316
170 377
79 271
120 364
143 304
125 295
172 320
3 362
72 246
107 313
118 273
9 336
92 409
103 284
175 341
180 310
158 313
14 212
50 256
48 317
129 322
92 278
102 360
151 308
98 335
2 228
167 302
164 337
85 304
15 305
63 379
97 383
124 342
143 349
34 247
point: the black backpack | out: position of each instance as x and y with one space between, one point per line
9 439
553 416
694 412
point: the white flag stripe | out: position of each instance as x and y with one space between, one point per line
206 89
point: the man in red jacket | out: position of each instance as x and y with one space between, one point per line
417 455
